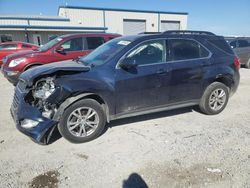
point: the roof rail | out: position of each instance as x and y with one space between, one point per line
149 33
188 32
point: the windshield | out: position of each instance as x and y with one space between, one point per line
103 53
48 45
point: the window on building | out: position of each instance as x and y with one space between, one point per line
94 42
6 38
75 44
8 47
148 53
187 49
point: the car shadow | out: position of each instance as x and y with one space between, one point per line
56 135
150 116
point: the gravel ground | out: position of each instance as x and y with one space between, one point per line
180 148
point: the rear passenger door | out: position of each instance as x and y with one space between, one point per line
188 61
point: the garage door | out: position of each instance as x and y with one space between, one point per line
132 27
170 25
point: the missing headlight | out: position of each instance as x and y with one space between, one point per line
44 88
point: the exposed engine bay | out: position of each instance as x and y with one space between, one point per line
41 91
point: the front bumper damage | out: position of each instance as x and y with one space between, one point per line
21 110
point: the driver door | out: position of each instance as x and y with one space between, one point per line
140 87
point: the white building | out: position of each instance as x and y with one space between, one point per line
39 29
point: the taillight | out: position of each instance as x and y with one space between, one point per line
237 63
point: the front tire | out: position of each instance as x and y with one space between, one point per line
83 121
214 99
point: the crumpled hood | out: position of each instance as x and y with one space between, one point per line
67 66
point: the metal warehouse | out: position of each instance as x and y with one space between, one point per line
40 29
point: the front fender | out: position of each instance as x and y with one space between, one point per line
67 103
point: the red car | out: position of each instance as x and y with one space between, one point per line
62 48
8 48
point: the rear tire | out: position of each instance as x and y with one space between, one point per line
83 121
214 99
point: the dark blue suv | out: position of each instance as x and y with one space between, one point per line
128 76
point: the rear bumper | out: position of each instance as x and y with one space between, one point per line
20 110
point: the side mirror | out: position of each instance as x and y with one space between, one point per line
60 50
128 63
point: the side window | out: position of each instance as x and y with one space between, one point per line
94 42
233 44
243 43
8 47
182 49
26 46
6 38
72 45
148 53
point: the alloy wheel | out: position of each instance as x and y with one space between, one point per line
83 122
217 99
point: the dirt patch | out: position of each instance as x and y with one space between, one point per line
82 156
48 179
197 176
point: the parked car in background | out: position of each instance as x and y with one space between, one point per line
62 48
8 48
241 47
125 77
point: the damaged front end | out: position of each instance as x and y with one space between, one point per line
38 96
33 108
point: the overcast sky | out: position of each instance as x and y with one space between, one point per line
225 17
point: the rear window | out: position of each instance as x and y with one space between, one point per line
94 42
222 45
8 47
187 49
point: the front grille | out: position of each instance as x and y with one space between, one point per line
19 90
15 100
21 86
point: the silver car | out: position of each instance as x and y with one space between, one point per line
241 47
